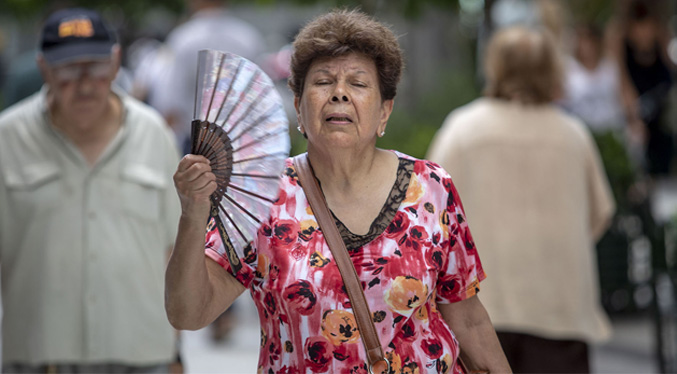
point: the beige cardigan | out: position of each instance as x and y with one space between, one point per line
536 198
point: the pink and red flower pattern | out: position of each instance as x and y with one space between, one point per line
426 256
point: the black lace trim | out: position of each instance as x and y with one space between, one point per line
387 214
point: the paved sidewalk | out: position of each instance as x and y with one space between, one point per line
629 351
631 348
239 354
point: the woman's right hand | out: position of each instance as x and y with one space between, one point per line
194 183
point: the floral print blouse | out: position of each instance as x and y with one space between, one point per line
418 253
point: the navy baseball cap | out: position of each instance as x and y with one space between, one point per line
76 34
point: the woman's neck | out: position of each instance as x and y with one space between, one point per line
346 170
355 182
591 63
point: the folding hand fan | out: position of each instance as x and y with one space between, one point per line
240 125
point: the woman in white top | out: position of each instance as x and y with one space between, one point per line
536 195
592 83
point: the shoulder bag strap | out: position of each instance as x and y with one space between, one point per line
363 316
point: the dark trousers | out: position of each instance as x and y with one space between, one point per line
531 354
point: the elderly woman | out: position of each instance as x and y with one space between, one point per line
400 218
537 198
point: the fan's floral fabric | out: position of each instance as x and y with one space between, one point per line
424 256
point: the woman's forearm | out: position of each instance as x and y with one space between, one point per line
475 333
197 289
187 287
481 348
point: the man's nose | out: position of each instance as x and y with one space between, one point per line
85 83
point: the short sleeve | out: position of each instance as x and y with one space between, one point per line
463 270
215 248
254 259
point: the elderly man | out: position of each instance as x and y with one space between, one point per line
88 214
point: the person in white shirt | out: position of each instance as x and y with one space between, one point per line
211 26
592 83
88 214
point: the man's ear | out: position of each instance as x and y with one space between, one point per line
116 56
42 65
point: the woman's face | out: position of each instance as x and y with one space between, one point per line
589 50
643 34
341 103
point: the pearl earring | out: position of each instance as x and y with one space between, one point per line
299 128
383 133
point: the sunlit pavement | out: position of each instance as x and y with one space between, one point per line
237 354
629 351
631 348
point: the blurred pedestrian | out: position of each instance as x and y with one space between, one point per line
211 26
592 92
639 40
152 60
88 214
148 58
537 198
400 219
592 82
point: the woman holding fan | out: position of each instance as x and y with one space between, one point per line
400 219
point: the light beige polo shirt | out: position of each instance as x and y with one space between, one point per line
83 249
536 198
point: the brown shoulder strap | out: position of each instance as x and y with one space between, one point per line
363 316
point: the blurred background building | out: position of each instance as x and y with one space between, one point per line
443 42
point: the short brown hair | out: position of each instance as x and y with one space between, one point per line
524 65
341 32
